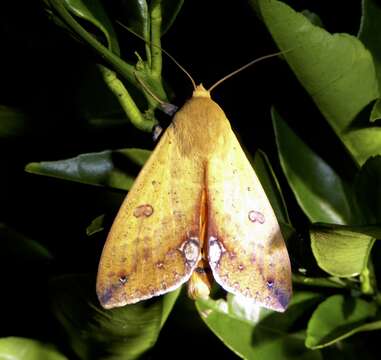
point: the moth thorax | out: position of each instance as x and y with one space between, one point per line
200 91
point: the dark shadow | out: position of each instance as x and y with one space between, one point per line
348 306
278 325
125 163
361 120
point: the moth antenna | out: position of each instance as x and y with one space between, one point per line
168 108
149 91
180 66
164 51
246 66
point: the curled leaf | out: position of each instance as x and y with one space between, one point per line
115 169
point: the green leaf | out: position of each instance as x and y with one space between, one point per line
111 168
368 34
368 190
96 333
137 18
271 186
13 122
257 333
375 114
318 189
95 226
336 70
93 12
337 318
343 250
313 17
18 348
19 248
369 29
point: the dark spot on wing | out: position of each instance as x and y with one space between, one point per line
106 296
123 278
191 250
256 216
144 210
283 297
270 283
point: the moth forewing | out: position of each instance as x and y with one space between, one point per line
196 200
153 245
246 249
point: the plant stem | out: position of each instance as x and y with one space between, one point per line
156 65
367 278
147 36
321 282
125 100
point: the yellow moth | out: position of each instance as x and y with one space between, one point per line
196 211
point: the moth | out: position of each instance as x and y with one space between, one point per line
196 212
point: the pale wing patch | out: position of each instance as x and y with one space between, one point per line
246 250
153 245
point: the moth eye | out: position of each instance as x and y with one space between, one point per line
144 210
256 216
